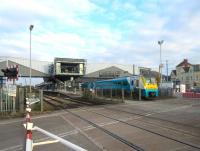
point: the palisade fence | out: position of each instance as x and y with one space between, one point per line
166 92
8 99
13 98
112 94
123 94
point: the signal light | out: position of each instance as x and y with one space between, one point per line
11 73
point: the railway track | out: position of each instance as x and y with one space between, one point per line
149 131
163 125
52 103
132 125
65 102
130 144
150 117
132 113
65 96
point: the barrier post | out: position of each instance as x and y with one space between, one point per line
28 126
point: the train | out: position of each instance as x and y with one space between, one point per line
130 84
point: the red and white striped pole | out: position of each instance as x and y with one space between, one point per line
28 126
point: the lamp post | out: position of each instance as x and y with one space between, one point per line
30 28
160 66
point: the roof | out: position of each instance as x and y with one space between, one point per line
23 70
184 63
174 72
42 66
69 60
149 73
93 67
111 72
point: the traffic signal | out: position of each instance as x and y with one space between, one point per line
11 73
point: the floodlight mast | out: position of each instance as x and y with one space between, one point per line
160 66
30 28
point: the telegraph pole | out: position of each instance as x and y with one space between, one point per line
139 88
167 69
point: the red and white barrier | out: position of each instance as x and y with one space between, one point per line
191 95
29 135
28 126
61 140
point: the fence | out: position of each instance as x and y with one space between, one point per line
191 95
8 99
166 92
12 98
112 94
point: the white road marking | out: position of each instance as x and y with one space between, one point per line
36 117
12 148
83 133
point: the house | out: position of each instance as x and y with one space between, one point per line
186 73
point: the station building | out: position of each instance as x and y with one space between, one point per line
60 70
69 72
69 69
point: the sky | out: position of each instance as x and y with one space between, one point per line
102 31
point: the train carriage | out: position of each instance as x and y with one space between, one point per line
129 84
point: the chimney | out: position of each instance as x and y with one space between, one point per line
185 60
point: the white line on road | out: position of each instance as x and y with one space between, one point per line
83 133
36 117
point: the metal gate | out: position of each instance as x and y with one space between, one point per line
7 99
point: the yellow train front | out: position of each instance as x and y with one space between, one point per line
149 89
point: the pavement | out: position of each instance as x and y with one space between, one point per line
159 125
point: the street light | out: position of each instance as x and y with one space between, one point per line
160 66
30 28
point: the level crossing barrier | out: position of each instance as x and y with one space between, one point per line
29 128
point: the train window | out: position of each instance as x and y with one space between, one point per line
125 83
132 82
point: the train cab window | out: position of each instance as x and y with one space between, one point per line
148 80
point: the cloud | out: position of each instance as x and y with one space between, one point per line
102 31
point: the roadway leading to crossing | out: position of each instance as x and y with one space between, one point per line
138 122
